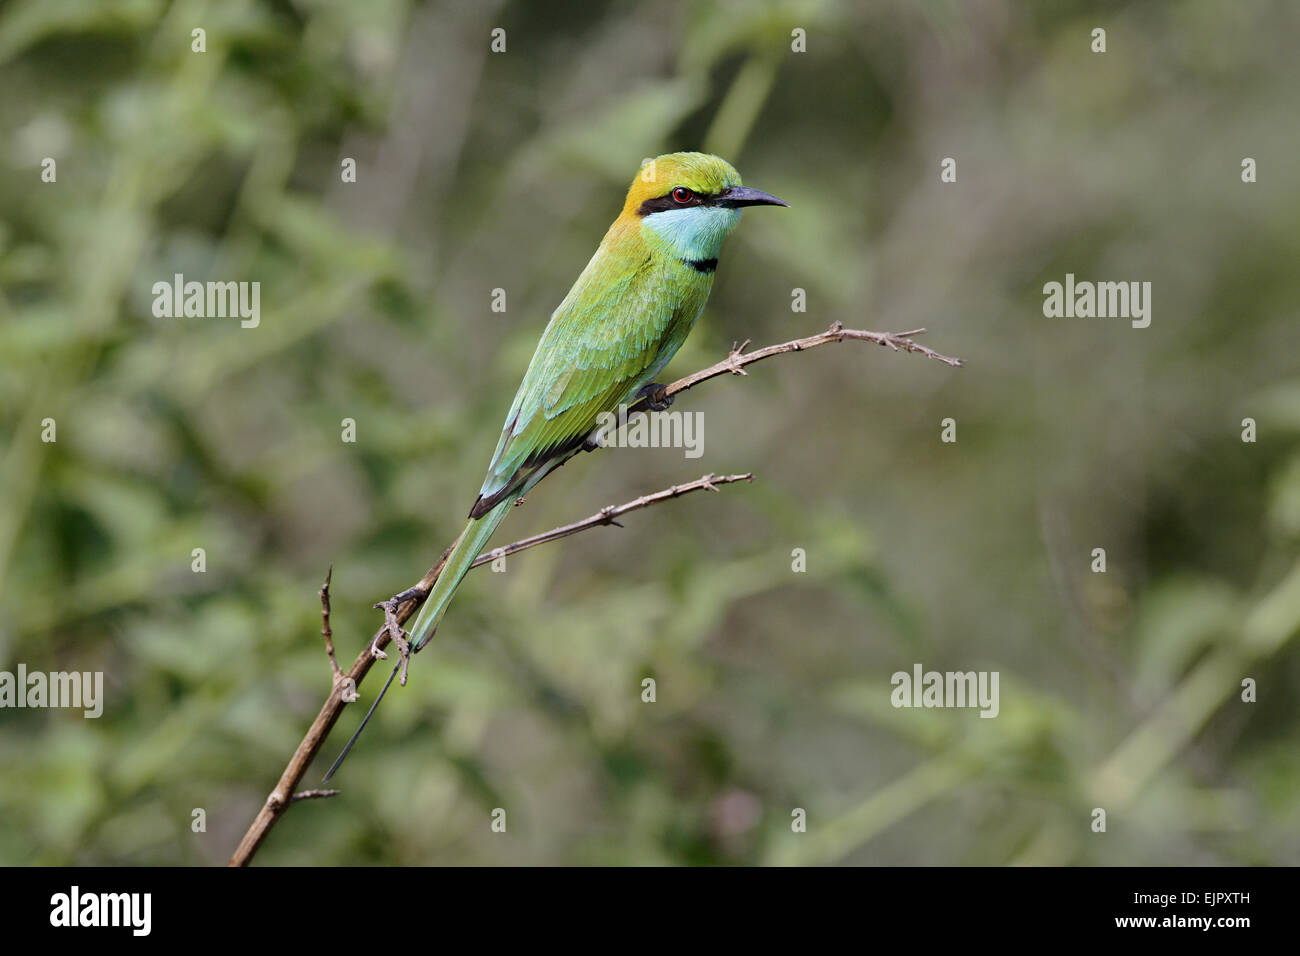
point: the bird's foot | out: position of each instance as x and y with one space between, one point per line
394 630
656 397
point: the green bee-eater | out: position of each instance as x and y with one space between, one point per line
626 316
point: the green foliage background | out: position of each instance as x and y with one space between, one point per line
481 170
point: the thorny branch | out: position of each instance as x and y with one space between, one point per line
344 685
607 515
738 358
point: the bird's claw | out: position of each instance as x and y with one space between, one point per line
656 397
395 634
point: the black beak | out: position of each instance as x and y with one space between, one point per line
744 196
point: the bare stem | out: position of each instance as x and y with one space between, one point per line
325 622
283 795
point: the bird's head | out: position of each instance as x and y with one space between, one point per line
687 203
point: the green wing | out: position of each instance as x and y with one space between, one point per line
610 336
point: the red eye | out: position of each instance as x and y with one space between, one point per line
683 195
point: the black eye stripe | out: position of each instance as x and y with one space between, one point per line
666 202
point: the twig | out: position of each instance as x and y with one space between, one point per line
283 794
738 358
313 795
608 514
325 622
399 611
349 687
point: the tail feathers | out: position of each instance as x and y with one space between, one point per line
469 546
347 749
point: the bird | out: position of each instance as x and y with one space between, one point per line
623 320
